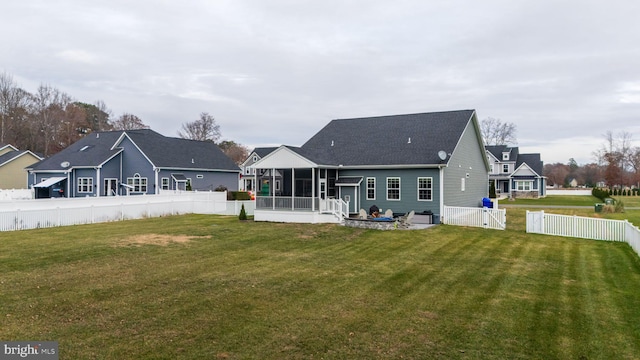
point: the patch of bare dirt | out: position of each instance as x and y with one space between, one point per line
157 239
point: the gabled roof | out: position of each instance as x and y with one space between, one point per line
263 151
91 150
163 152
498 150
12 155
412 139
532 160
169 152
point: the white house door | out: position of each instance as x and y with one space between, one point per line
323 194
110 187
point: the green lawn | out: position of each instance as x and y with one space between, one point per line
243 290
566 200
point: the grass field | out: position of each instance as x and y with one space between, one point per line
207 287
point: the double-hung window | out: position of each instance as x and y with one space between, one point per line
425 189
393 188
371 188
165 183
85 185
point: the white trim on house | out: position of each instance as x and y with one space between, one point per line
284 158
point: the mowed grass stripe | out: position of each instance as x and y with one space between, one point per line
257 290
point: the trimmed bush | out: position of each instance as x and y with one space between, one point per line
243 214
240 195
600 193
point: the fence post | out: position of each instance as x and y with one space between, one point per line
485 217
59 216
17 223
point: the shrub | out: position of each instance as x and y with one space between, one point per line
492 189
243 214
239 195
619 206
220 188
600 193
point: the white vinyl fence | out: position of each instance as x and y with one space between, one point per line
44 213
478 217
538 222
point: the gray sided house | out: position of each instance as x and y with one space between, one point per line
132 162
515 175
417 162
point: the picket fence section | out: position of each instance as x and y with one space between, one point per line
477 217
538 222
33 214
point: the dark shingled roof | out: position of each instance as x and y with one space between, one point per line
263 151
387 140
11 155
533 160
497 150
165 152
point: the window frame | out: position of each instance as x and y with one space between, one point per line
429 188
139 183
398 189
369 188
505 168
164 186
527 185
85 185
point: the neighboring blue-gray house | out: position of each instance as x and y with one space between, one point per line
417 162
132 162
515 175
248 177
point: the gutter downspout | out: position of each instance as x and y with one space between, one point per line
441 191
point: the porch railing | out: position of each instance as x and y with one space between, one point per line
335 206
285 203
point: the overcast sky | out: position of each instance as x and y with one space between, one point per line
275 72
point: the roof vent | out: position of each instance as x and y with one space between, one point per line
84 148
97 135
331 142
409 141
192 161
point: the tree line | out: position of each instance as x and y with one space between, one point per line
49 120
616 165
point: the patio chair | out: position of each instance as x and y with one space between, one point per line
362 214
405 221
388 213
409 219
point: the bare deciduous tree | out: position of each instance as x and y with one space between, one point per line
203 129
495 132
128 122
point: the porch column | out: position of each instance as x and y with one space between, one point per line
293 189
97 186
273 187
313 189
